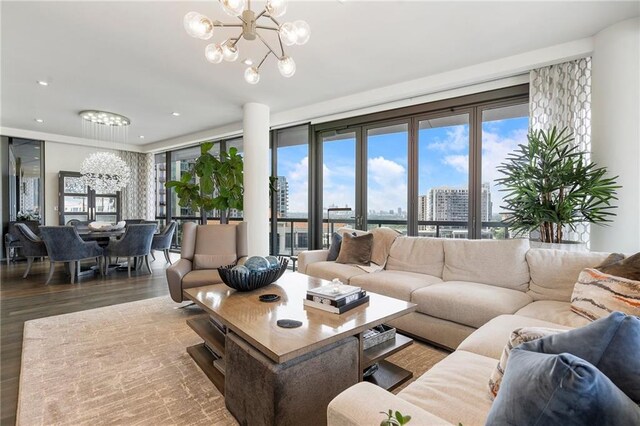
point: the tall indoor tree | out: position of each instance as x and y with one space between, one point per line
551 184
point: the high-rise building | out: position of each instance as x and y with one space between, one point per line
282 197
422 207
452 204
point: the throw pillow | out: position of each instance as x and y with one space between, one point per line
596 295
611 344
518 336
356 250
334 248
558 389
617 265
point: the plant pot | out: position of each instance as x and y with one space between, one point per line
565 245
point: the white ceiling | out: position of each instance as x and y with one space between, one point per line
134 58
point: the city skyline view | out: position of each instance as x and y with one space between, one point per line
443 162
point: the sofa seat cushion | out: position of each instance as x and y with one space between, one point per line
200 277
555 312
398 284
468 303
455 389
500 263
490 339
555 272
330 270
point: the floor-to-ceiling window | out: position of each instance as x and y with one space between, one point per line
290 201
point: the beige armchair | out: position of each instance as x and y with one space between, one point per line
204 249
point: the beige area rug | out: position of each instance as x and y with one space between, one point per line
127 365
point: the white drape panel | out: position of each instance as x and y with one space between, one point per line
560 95
138 198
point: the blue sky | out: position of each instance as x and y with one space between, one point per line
443 161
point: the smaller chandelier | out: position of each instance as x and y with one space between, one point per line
105 118
288 33
105 172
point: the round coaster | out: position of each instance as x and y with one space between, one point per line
269 298
289 323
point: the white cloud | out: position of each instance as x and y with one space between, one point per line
459 162
387 186
457 139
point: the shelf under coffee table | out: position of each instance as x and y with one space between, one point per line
260 347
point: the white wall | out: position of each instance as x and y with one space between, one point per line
615 129
61 157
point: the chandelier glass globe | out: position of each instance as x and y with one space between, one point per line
233 7
229 52
303 32
105 172
276 8
213 53
288 34
287 66
198 25
251 75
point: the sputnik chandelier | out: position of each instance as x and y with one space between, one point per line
289 33
104 172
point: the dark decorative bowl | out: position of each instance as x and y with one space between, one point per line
253 280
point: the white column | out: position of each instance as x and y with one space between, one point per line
256 177
615 130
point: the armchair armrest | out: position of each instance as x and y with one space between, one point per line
310 256
361 404
175 273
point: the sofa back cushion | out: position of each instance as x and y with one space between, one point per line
215 246
555 272
417 254
501 263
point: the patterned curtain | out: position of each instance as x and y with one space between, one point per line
560 95
138 198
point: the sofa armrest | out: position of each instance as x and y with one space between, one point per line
363 403
310 256
175 273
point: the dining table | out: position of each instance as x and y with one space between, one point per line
103 238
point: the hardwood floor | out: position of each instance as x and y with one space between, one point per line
25 299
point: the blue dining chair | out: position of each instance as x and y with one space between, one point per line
65 245
135 243
32 246
162 240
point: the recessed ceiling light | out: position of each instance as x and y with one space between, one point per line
36 147
37 158
175 114
248 61
39 120
42 83
141 137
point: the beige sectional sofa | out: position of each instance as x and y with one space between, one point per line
471 295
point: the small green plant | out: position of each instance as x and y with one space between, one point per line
394 419
550 184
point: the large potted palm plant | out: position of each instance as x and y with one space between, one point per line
219 185
550 186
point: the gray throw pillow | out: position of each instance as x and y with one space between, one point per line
356 250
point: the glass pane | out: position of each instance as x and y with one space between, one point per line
106 205
503 129
25 179
161 179
106 218
182 162
238 144
80 217
338 182
292 203
443 176
387 152
75 203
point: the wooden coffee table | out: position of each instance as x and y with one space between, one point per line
254 323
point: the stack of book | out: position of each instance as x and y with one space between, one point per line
336 297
